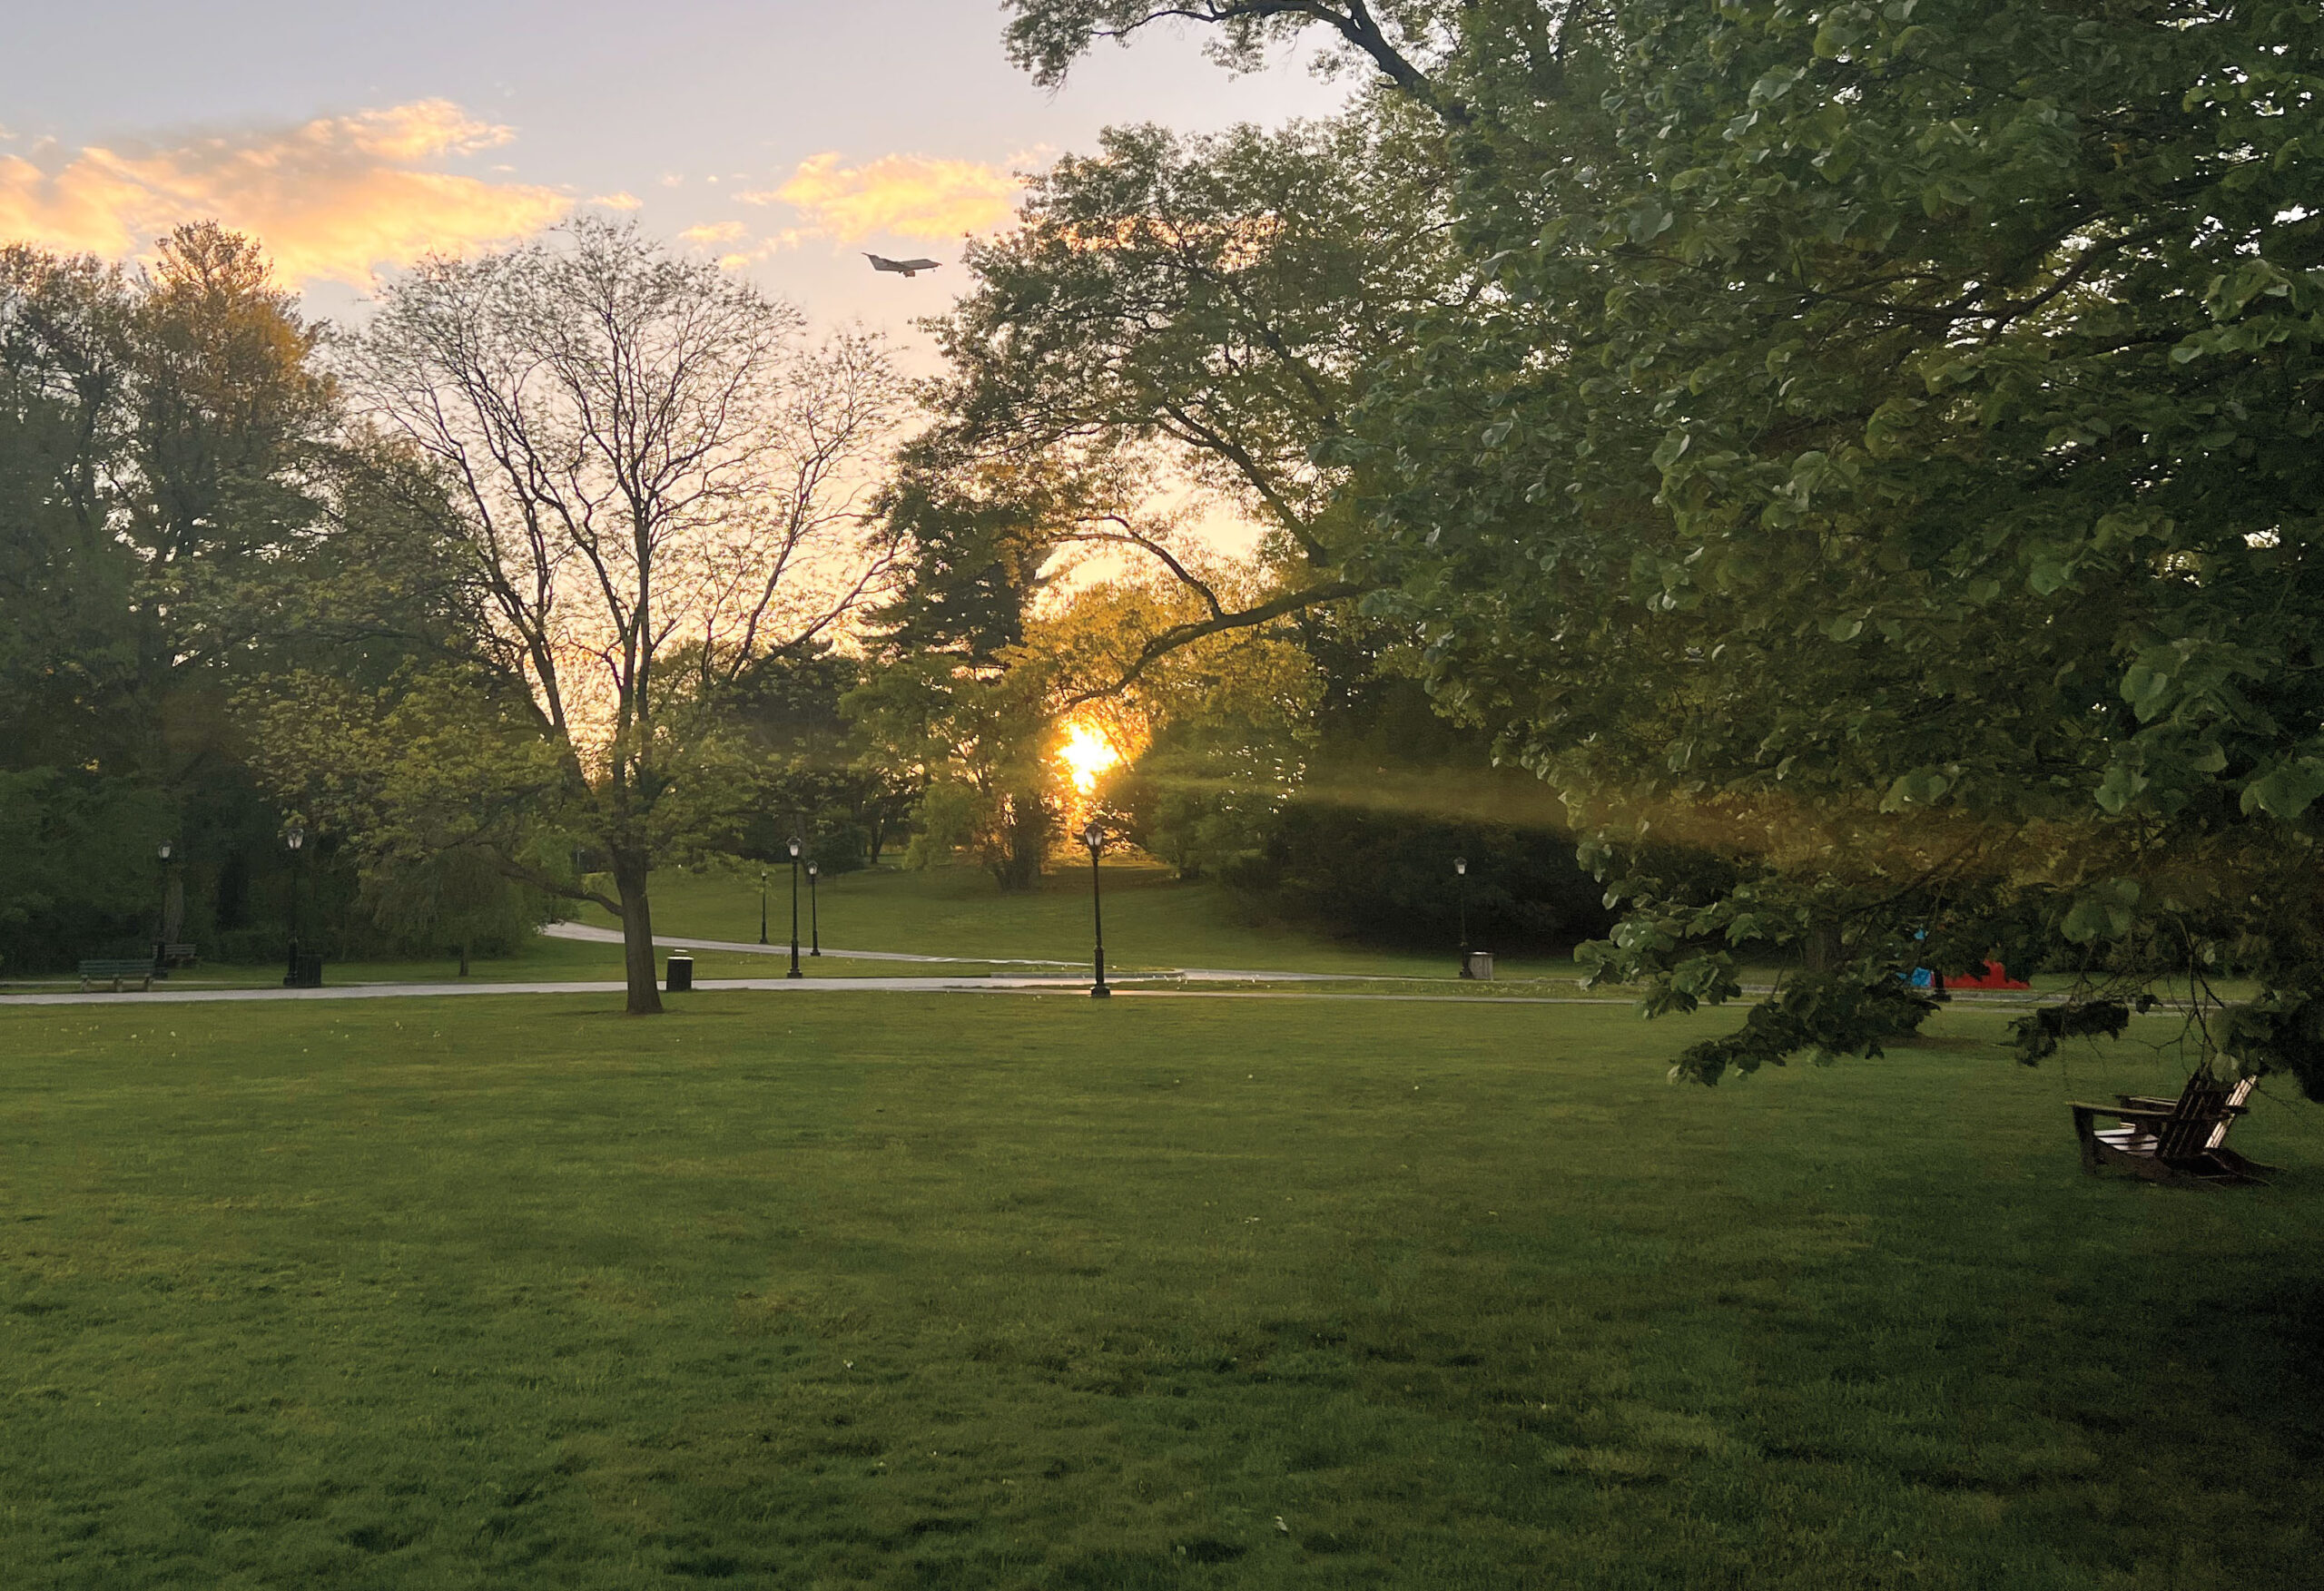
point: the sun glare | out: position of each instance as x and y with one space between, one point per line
1086 754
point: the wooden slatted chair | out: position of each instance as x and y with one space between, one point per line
2180 1141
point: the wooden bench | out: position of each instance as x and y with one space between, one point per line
118 972
179 956
2182 1141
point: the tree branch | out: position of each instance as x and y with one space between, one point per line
1169 641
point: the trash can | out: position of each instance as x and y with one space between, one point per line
306 972
681 978
1480 963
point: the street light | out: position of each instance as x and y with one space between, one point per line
1461 871
161 914
295 837
761 906
794 909
814 914
1094 837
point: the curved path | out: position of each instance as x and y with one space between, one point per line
1067 978
1065 970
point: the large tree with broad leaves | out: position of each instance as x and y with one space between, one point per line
1887 452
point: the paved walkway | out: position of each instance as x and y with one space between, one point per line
1068 978
569 930
1061 978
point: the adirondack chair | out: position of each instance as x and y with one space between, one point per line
2182 1141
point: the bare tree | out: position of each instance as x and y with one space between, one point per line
654 478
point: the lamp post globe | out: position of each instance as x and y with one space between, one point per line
1094 837
1461 872
814 913
794 971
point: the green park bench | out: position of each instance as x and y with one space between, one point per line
118 972
179 956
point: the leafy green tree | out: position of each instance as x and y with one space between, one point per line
69 655
77 867
1211 734
230 423
1885 453
974 735
819 779
1170 313
951 701
460 900
160 436
650 483
1204 312
1916 507
1398 37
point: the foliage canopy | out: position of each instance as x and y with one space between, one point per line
1881 448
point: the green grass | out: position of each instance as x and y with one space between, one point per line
540 959
1152 919
969 1291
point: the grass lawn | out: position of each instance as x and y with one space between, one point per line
541 960
963 1292
1152 919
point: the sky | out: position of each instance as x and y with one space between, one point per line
783 138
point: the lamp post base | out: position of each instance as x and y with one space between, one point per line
1100 992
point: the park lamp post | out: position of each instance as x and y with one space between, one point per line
794 971
814 913
1094 837
761 906
295 837
1461 872
161 913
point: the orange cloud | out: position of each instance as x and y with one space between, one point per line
333 200
902 195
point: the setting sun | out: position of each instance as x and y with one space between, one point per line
1086 754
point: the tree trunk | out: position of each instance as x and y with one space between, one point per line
636 933
1024 842
1825 949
